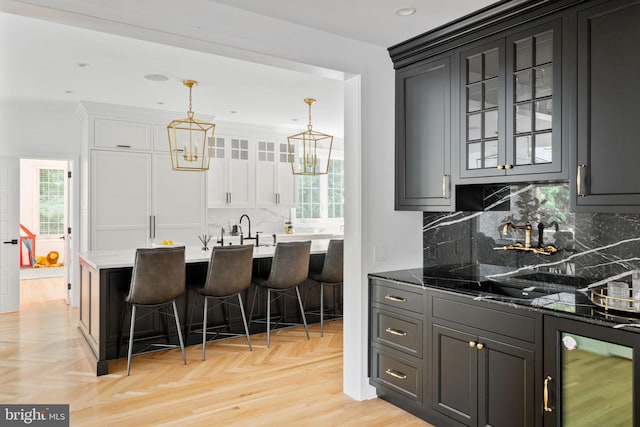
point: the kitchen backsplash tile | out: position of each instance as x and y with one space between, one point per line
600 247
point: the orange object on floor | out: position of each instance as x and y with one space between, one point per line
26 241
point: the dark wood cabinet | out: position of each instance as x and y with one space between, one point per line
510 107
480 377
606 177
423 136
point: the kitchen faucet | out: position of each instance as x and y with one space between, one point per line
221 241
541 250
527 231
242 238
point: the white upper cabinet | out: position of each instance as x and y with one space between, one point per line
230 173
122 134
275 182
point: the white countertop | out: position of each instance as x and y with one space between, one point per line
125 257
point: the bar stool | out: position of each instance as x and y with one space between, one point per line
289 269
331 275
228 275
158 278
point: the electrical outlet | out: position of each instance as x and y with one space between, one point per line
380 253
432 252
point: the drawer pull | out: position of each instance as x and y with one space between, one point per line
396 332
394 298
396 374
472 344
480 346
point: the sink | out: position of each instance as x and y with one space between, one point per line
532 285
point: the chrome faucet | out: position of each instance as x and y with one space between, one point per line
242 238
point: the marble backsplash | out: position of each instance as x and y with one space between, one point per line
599 247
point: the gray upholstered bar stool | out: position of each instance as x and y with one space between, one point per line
228 275
331 275
158 278
289 269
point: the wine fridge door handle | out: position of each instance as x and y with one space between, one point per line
545 396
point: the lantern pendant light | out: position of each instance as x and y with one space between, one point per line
190 140
310 151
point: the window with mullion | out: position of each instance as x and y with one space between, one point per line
51 201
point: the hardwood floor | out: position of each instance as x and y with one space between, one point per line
294 383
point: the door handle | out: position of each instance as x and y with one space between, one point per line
547 380
11 242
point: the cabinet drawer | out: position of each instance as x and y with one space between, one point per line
499 320
122 134
397 296
396 374
397 331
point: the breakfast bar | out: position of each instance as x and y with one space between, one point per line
104 282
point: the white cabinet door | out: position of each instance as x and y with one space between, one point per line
110 133
266 172
179 203
286 180
120 199
230 174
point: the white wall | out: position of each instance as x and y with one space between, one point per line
370 220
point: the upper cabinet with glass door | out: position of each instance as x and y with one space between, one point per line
511 90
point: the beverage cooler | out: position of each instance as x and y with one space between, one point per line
591 375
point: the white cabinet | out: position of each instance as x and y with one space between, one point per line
231 173
275 182
121 134
120 195
138 199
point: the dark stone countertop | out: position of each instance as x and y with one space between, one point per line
564 296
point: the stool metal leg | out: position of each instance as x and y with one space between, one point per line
268 318
321 309
304 318
204 328
244 320
133 322
175 313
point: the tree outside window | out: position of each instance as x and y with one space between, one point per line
322 196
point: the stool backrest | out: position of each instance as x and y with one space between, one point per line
290 266
229 271
332 269
159 275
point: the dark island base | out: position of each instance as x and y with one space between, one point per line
105 317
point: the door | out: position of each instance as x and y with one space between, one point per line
9 234
606 173
455 374
179 203
591 375
423 139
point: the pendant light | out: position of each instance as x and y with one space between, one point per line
190 140
310 151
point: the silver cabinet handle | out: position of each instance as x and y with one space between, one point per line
445 187
579 180
397 332
396 374
151 226
122 146
395 299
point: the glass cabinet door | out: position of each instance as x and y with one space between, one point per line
482 100
533 94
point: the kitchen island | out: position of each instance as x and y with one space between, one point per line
104 283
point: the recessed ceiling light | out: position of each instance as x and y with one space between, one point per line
156 77
406 11
69 92
294 120
83 65
160 103
233 111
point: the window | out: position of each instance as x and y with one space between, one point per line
51 201
322 196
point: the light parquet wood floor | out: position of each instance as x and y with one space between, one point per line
294 383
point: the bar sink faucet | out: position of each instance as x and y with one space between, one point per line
540 250
242 238
221 241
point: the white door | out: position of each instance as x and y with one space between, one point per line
9 234
179 203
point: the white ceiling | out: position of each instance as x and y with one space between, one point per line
371 21
39 61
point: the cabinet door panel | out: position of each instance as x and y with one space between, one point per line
121 202
608 88
505 384
455 375
423 138
122 134
265 183
240 183
179 202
